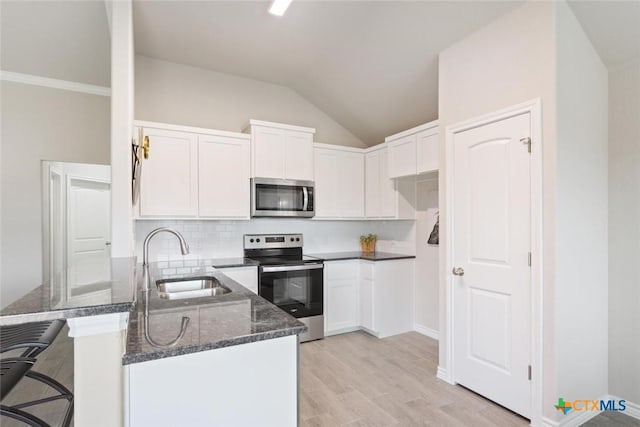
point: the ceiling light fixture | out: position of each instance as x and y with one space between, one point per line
279 7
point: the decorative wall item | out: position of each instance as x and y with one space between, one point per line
434 237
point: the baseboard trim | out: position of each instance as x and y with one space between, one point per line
443 374
431 333
633 409
30 79
342 331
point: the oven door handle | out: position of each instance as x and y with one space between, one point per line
305 199
291 268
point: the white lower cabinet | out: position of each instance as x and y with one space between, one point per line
246 276
376 296
387 296
341 286
212 388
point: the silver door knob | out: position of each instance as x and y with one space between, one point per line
458 271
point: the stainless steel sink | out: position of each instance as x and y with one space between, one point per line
190 288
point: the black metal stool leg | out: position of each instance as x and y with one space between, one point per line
20 415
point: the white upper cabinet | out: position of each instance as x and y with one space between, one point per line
194 172
281 151
268 152
413 151
427 151
298 155
386 198
169 180
339 182
223 177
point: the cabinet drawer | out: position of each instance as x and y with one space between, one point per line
342 270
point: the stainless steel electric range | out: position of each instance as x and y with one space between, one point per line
288 279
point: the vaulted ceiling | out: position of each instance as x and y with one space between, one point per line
372 66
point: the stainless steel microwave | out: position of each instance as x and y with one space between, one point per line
281 197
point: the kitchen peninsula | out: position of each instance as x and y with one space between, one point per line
236 347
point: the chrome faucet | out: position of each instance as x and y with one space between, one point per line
184 248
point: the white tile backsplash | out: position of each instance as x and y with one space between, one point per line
222 239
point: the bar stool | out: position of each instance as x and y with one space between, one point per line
33 338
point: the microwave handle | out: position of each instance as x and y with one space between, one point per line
305 199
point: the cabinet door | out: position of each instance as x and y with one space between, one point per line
169 182
326 182
387 189
223 177
402 156
350 185
342 307
372 184
246 276
268 149
427 151
298 148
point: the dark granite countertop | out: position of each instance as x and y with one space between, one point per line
235 318
53 300
373 256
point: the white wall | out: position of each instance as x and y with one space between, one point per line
624 231
38 124
220 239
508 62
582 214
179 94
426 294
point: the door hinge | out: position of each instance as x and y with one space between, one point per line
529 372
529 259
527 142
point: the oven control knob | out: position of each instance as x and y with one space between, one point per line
258 240
292 239
297 239
251 240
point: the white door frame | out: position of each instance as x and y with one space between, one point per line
534 108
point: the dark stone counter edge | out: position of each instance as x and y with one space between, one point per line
67 313
329 258
162 353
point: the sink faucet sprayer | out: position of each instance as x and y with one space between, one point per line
184 248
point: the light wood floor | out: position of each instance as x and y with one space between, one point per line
345 380
57 362
358 380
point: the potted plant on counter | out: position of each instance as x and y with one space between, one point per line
368 243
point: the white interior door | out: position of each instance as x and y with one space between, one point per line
491 245
89 231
